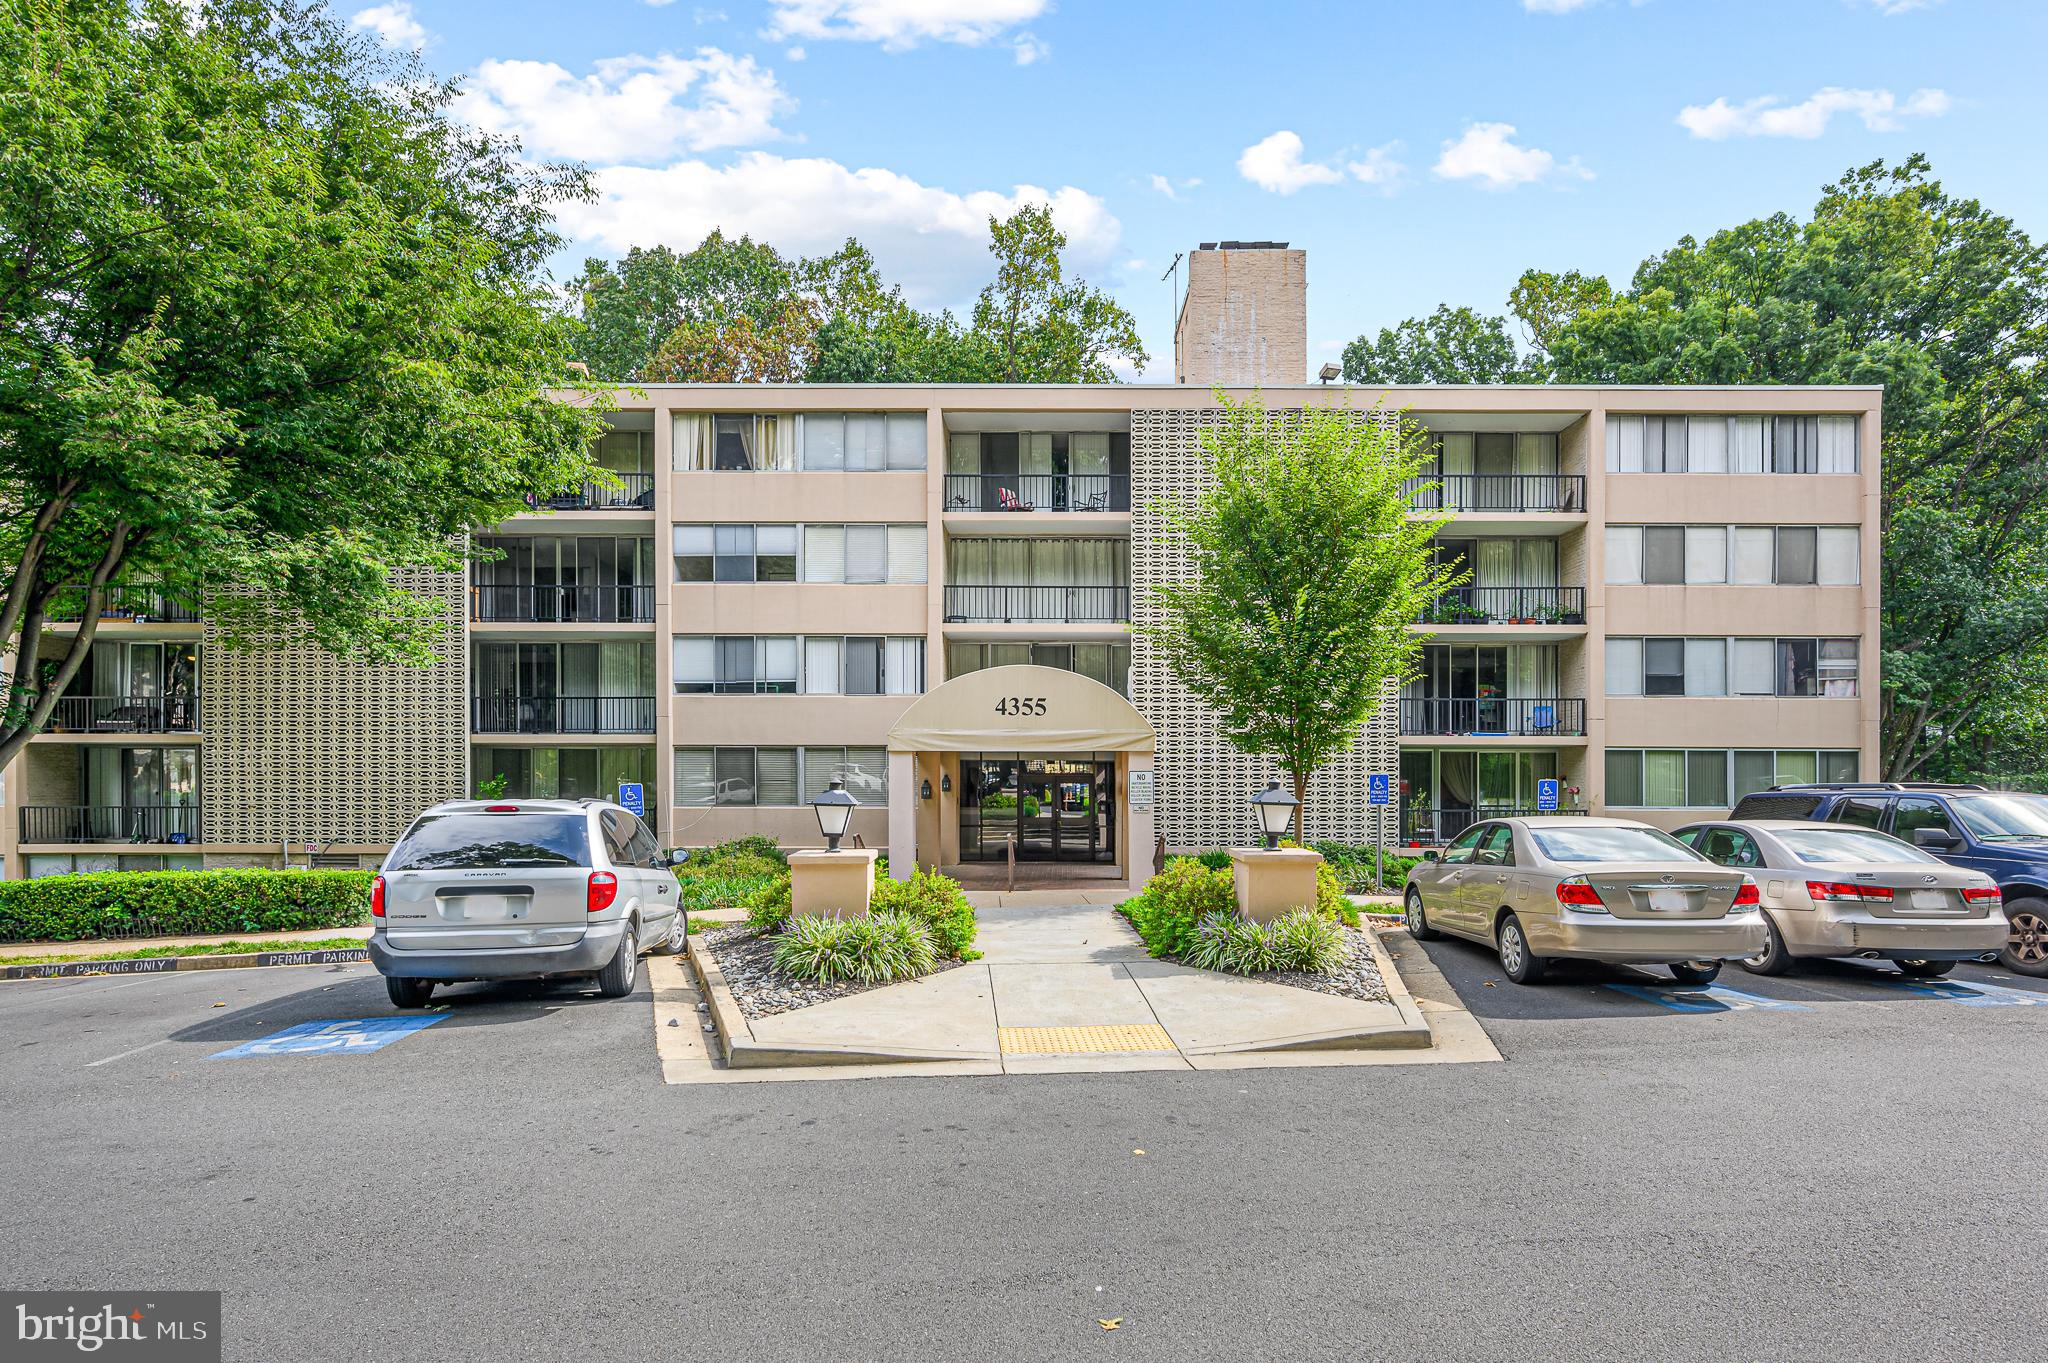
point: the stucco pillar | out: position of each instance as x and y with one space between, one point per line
902 815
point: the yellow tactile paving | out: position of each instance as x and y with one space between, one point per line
1110 1040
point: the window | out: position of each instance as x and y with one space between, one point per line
1624 554
1706 667
1598 842
1730 847
1706 553
864 770
1796 550
1914 812
743 664
1664 778
1107 663
736 776
1865 813
1836 556
734 444
1663 554
1624 777
1738 444
735 663
1700 555
858 441
1831 846
1497 848
1462 848
1667 667
1624 667
1755 554
1663 667
1755 667
1706 778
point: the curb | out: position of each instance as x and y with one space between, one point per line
1412 1033
162 965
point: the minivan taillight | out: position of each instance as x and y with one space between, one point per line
377 897
604 888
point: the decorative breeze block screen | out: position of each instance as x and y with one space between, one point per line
1204 784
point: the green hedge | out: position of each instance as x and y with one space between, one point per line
176 903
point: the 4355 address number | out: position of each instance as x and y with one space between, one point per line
1021 705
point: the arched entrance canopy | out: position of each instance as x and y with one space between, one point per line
1020 709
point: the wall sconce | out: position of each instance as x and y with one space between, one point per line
946 783
925 792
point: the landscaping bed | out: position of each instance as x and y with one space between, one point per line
746 958
1358 978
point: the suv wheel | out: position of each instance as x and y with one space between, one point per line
615 981
408 993
2026 941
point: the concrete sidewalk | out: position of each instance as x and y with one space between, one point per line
1058 989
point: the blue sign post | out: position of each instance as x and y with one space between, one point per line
1379 790
1546 794
634 797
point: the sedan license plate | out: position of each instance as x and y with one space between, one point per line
1930 899
1669 901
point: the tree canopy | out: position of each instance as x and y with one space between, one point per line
737 311
271 319
1892 281
1306 569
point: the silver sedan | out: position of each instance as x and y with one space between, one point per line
1838 890
1570 888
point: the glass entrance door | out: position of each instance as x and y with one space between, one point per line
1057 808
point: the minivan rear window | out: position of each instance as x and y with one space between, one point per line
441 842
1776 807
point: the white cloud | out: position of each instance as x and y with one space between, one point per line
628 108
1554 6
1486 152
934 240
1275 164
1171 188
795 54
1379 168
1029 48
1768 116
901 24
1900 6
700 15
393 24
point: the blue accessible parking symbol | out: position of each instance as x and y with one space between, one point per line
348 1036
1546 794
1379 788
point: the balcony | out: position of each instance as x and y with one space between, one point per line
141 604
609 605
110 823
635 492
1493 717
564 715
1428 827
124 715
1508 606
1038 492
1498 492
1049 605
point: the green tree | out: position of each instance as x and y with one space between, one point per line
271 319
1040 327
1451 345
630 307
1307 568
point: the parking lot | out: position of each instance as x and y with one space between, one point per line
1834 1177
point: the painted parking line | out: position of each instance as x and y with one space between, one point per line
1706 998
1969 993
344 1036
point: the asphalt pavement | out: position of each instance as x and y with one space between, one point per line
1851 1176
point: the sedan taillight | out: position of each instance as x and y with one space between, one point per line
1981 894
377 897
604 888
1746 895
1578 893
1842 890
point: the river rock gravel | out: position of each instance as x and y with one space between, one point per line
746 958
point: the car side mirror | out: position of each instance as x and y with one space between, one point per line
1935 839
677 856
1432 856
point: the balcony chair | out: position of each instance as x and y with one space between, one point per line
1006 500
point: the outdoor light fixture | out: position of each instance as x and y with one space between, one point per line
946 783
835 810
1329 373
925 791
1276 812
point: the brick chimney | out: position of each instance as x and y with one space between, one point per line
1244 321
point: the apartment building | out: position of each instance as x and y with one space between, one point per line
928 592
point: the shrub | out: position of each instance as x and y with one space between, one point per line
1215 861
1175 901
755 845
1353 865
874 949
1309 942
769 907
935 900
1304 940
175 903
998 803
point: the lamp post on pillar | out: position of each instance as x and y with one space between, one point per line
1273 880
836 881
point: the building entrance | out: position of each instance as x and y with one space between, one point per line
1057 808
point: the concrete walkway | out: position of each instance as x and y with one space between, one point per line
1070 987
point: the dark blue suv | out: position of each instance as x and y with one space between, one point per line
1999 832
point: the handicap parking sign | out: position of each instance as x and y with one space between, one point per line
1546 793
633 796
343 1036
1379 789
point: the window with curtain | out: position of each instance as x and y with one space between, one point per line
1706 779
1706 444
821 665
863 441
1624 554
963 452
1837 667
1838 439
1624 666
1793 444
1663 667
1625 777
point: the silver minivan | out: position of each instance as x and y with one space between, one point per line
522 889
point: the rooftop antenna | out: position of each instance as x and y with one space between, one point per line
1173 270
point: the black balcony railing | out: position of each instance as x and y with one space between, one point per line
124 715
635 492
1427 827
1555 716
110 823
564 714
564 605
1508 606
138 603
1038 492
1056 605
1498 492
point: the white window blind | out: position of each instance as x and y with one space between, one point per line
696 781
696 660
1624 553
1746 444
824 441
775 661
775 776
906 440
1755 661
1706 553
867 441
1706 667
1836 565
1624 444
821 665
824 553
1706 444
907 553
1838 444
903 666
1755 554
1624 667
867 553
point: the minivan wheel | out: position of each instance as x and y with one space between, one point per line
1521 965
1418 919
1773 959
2026 940
1924 970
1695 972
615 981
408 993
677 941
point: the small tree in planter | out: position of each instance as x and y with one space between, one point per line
1306 570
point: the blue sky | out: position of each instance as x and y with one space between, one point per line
1420 152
